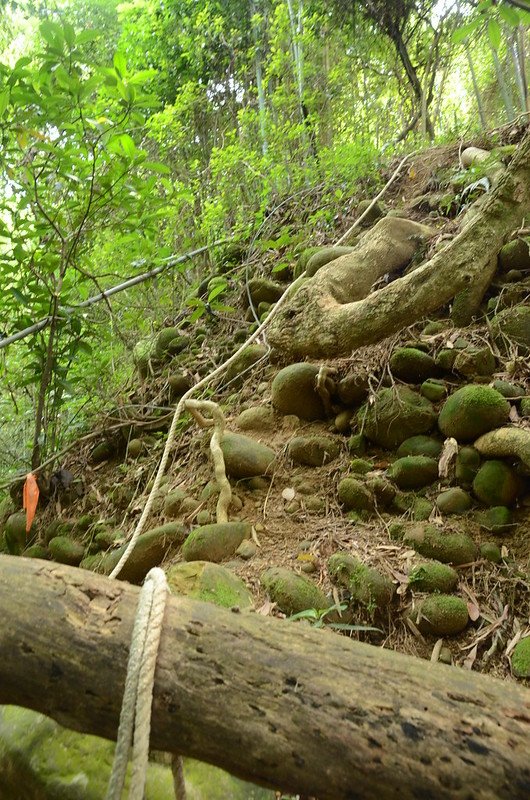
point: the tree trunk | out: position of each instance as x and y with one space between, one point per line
317 322
277 703
480 107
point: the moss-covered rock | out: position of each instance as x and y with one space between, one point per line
467 465
525 407
475 361
421 509
135 448
443 615
357 444
515 255
471 411
431 542
365 585
238 372
209 582
173 502
433 576
66 551
215 542
453 501
496 484
496 520
342 422
412 365
491 552
445 358
291 592
313 451
257 418
36 551
521 658
433 390
413 472
395 415
149 551
360 466
245 457
420 446
39 760
168 342
513 326
508 390
179 384
294 392
511 442
354 495
372 216
382 490
263 290
352 389
323 256
15 533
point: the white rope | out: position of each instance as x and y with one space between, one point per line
135 717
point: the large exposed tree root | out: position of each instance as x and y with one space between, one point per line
331 315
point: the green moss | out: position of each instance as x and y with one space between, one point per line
366 585
395 415
215 542
496 484
521 658
209 582
496 520
238 372
354 495
443 615
491 552
467 464
413 472
412 365
433 576
292 592
472 411
431 542
453 501
66 550
294 392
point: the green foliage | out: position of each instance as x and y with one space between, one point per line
317 619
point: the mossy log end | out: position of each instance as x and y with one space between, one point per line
280 704
318 323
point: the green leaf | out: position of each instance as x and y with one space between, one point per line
88 36
156 166
4 101
463 32
494 33
128 145
120 64
509 14
19 297
51 32
216 291
69 34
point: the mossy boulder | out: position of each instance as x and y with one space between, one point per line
433 576
467 465
149 551
420 446
66 551
513 326
525 407
354 495
475 361
168 342
395 415
445 358
263 290
352 389
365 585
323 256
496 484
413 472
372 216
491 552
515 255
357 444
36 551
443 615
209 582
179 384
294 392
103 452
453 501
15 533
257 418
215 542
421 509
471 411
433 390
412 365
521 658
508 390
238 372
245 457
360 466
313 451
291 592
496 520
135 448
431 542
173 502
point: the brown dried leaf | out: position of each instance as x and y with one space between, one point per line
266 609
471 658
473 611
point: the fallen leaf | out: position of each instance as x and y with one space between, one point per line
266 609
473 611
471 658
30 499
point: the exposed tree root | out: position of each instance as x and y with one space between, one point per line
332 316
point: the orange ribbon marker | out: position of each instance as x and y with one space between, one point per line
30 499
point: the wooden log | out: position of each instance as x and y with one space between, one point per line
277 703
